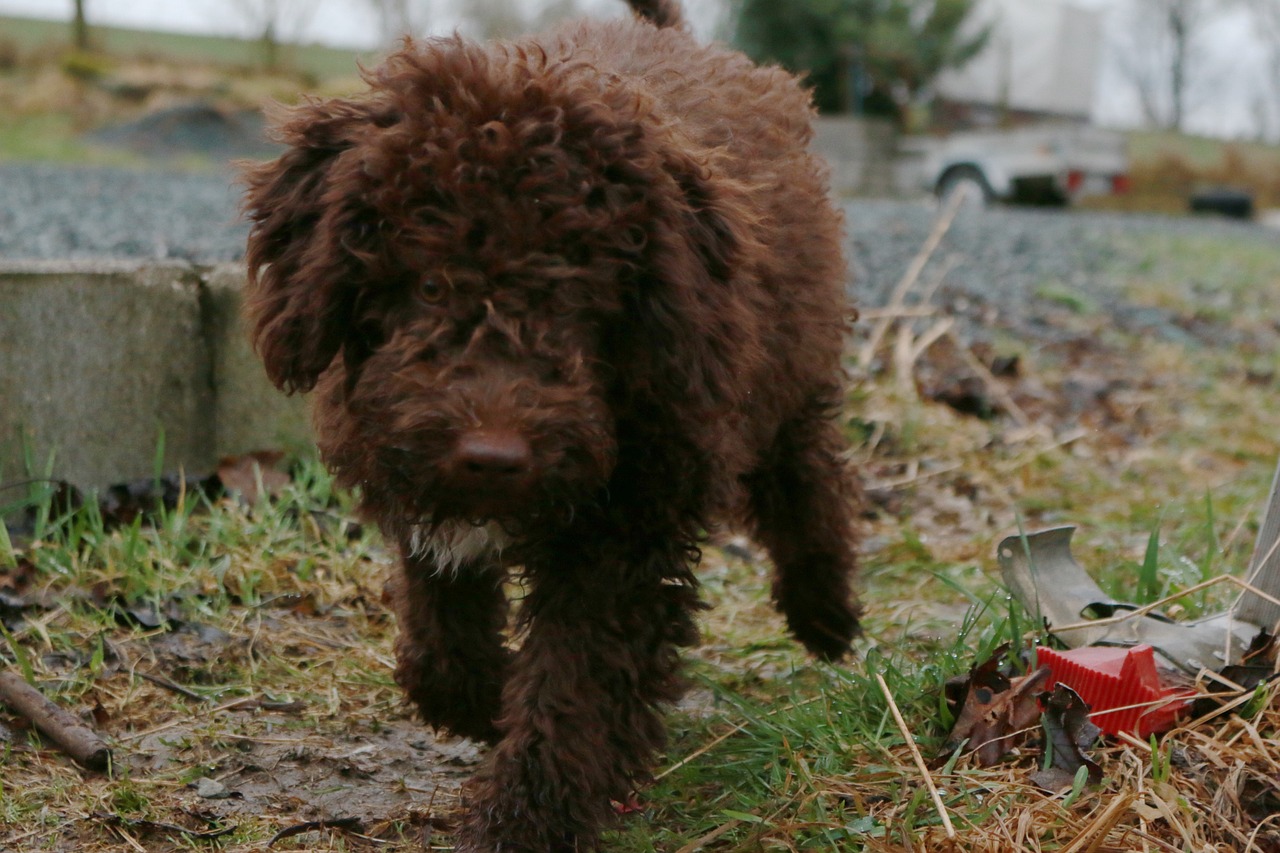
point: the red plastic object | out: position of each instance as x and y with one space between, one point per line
1124 679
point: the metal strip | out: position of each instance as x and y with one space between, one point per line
1264 568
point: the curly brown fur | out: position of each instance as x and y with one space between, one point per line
566 303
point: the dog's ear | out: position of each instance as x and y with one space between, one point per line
299 282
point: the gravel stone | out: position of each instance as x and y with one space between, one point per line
50 211
996 259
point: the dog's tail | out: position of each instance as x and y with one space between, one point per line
660 13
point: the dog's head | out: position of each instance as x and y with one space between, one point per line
483 263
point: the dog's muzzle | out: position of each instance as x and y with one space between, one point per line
490 473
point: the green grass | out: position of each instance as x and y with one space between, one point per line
794 757
37 36
52 97
53 137
785 753
805 730
1165 478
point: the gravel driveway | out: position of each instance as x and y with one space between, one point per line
999 257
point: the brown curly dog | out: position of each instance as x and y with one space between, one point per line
566 302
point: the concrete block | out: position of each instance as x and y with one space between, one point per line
860 151
100 363
97 363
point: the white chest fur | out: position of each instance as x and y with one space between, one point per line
451 545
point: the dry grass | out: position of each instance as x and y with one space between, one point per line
1180 440
238 658
1165 170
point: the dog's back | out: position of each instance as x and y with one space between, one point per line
565 302
750 128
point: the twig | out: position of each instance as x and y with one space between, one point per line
940 227
1091 838
76 739
1156 605
697 753
1011 465
233 705
909 348
699 843
349 824
898 313
930 336
738 727
914 475
919 759
902 359
939 276
170 684
129 839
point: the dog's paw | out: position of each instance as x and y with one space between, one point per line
827 628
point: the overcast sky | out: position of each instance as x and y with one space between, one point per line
1227 106
344 23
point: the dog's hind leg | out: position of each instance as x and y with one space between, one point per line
582 718
450 657
802 501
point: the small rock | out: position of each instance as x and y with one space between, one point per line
211 789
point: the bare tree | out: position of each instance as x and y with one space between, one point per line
397 18
1266 16
1162 55
80 27
494 18
556 11
274 22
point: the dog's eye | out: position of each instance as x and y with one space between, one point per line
433 288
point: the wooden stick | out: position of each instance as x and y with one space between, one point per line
170 684
919 759
1156 605
930 336
699 843
907 311
76 739
896 300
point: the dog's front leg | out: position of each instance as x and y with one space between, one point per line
581 710
450 658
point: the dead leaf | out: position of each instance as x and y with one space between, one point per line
124 503
1257 666
1070 733
994 711
943 376
1053 779
242 475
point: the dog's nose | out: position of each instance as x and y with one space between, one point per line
493 453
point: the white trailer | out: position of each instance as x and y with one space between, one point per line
1043 164
1026 103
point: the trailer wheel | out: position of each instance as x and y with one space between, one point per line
967 180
